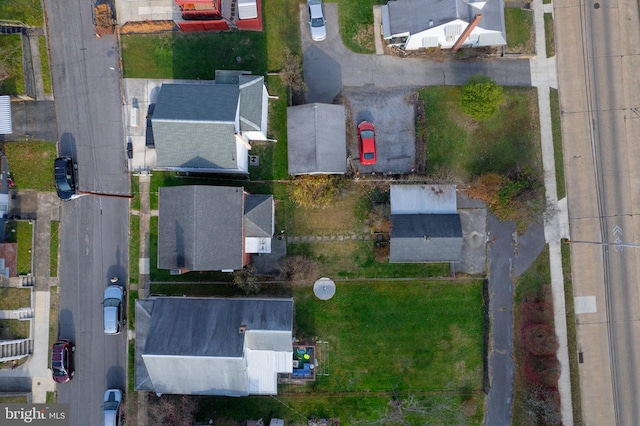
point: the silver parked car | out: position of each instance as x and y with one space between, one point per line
316 20
113 307
111 407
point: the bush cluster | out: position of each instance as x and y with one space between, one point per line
541 366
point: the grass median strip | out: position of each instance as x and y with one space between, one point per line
53 248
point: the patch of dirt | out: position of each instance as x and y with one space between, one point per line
365 38
148 27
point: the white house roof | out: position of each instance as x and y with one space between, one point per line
407 17
423 199
5 116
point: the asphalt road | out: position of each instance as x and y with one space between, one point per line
598 45
94 229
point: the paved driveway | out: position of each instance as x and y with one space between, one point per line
392 112
329 66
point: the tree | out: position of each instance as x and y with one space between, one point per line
176 410
299 270
481 97
247 279
292 74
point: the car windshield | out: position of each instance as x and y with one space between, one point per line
112 303
368 155
111 405
366 134
58 372
317 22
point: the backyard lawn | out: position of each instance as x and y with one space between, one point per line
31 164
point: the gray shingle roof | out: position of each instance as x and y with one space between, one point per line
413 16
200 228
316 137
194 126
193 345
251 97
258 216
425 238
209 327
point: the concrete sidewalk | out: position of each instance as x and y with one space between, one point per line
36 368
556 226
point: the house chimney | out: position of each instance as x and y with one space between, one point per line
242 329
474 23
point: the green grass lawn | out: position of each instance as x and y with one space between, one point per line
14 329
14 298
349 408
53 249
44 62
131 313
455 142
192 55
356 259
21 233
406 335
26 11
134 248
549 35
572 339
31 164
520 32
273 155
135 191
356 24
556 130
11 54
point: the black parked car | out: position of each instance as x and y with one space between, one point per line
65 171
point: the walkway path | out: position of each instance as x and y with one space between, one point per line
556 227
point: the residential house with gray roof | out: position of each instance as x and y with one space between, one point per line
425 224
316 139
212 346
209 127
417 24
212 228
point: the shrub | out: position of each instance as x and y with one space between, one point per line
247 280
537 312
299 270
174 410
481 97
542 370
315 191
540 339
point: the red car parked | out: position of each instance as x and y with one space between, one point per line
62 360
367 143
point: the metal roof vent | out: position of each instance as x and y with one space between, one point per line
430 22
242 329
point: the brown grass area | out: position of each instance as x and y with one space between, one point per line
364 37
14 298
337 219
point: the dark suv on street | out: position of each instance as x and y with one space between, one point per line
65 172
